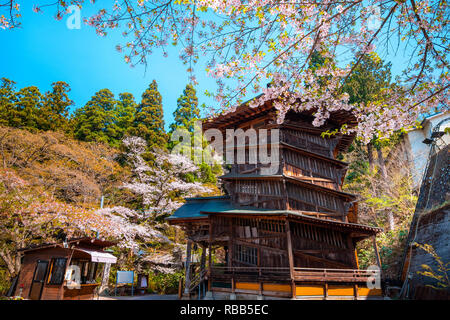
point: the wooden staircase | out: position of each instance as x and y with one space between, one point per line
194 287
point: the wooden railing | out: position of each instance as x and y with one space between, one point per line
197 280
300 274
338 275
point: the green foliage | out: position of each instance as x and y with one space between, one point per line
96 121
368 79
125 113
187 112
186 117
4 281
387 202
26 110
55 108
7 101
390 244
149 120
440 274
29 109
161 283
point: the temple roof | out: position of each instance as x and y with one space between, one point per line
194 207
244 113
232 176
200 208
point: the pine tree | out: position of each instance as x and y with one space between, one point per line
149 121
27 108
125 113
187 112
185 118
8 100
97 121
368 79
55 108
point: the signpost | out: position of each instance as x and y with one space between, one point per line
125 277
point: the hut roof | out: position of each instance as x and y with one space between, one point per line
76 241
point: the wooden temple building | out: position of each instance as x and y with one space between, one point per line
287 233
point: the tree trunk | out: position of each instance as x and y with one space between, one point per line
391 220
370 155
381 163
11 261
105 278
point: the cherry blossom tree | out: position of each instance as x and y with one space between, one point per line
249 43
28 217
161 185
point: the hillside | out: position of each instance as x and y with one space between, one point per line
72 171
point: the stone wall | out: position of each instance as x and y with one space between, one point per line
430 225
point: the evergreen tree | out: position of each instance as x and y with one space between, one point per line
125 113
7 101
55 108
97 121
368 79
187 112
149 121
27 108
185 118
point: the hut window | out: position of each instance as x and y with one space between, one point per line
88 271
57 270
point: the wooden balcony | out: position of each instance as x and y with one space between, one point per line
306 283
283 274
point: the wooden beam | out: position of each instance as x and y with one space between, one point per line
188 267
203 259
377 254
231 243
291 259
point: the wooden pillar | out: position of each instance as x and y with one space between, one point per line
180 288
233 285
352 252
203 259
377 254
188 267
291 259
230 244
210 255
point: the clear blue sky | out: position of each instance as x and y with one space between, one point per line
44 50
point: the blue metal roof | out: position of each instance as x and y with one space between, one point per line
194 207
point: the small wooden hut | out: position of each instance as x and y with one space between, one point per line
289 233
43 275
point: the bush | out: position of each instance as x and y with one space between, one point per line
4 282
164 283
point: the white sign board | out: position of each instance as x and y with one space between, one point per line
125 277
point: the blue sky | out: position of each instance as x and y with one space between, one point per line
44 50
